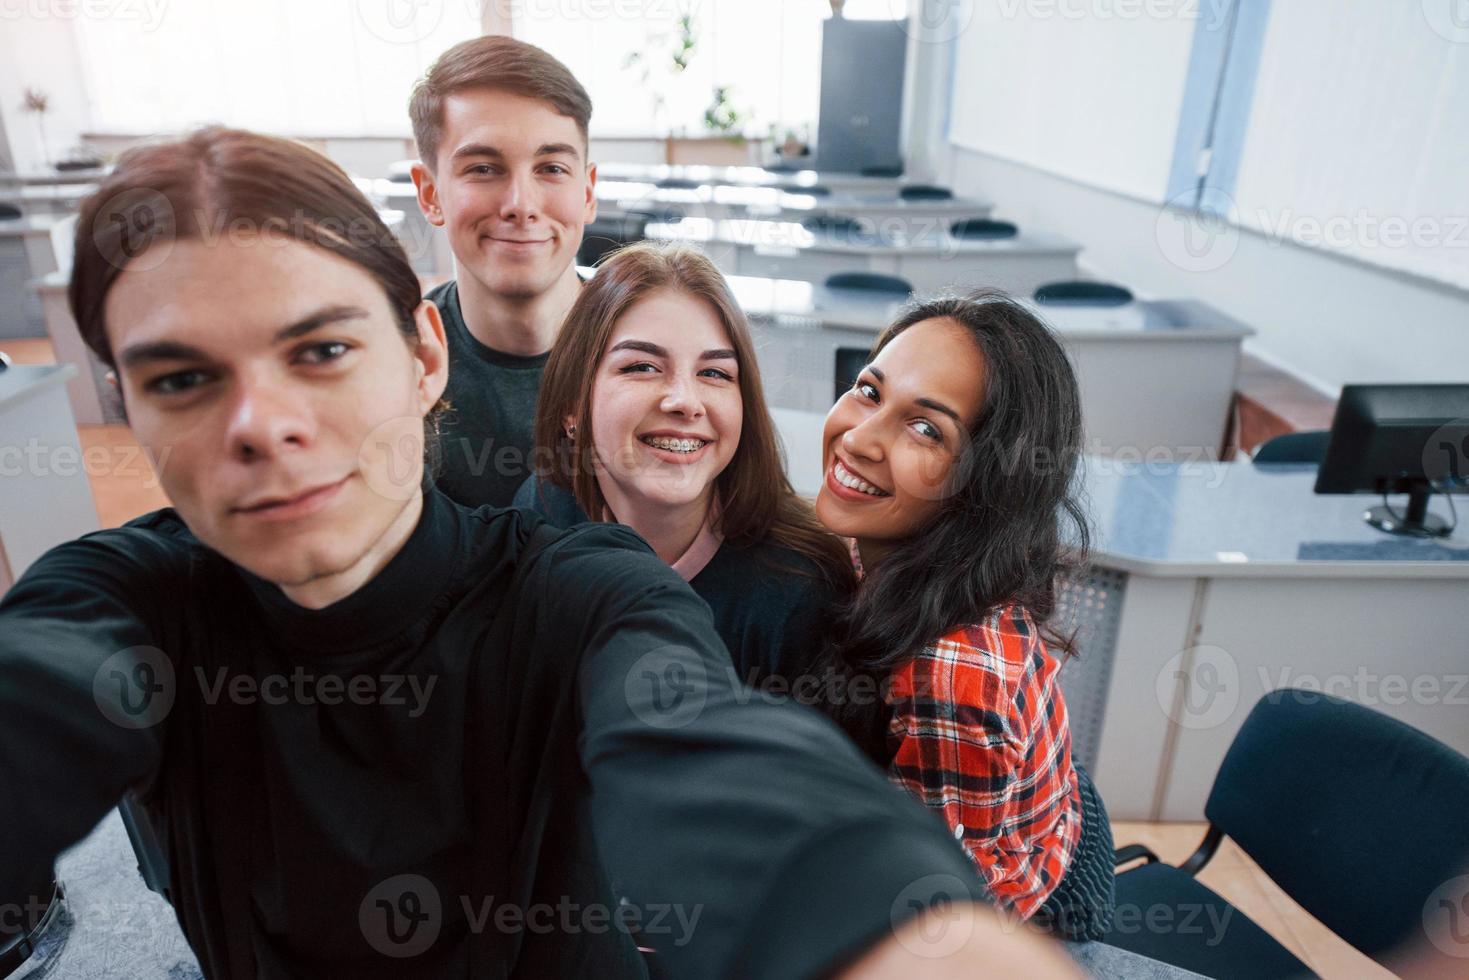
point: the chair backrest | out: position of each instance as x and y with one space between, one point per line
1080 292
875 282
983 229
678 184
849 363
831 224
609 233
9 211
925 192
1294 447
1357 816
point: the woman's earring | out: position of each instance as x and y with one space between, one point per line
571 431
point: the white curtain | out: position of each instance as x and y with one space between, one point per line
1359 136
1088 90
293 67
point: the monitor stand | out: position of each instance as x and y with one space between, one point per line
1416 523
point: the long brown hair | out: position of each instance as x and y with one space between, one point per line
757 503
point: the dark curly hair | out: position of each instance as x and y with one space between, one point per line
1001 535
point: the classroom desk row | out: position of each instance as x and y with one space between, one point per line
752 177
1212 584
933 262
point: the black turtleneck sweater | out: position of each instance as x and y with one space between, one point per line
494 759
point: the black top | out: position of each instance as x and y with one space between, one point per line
486 436
507 715
771 604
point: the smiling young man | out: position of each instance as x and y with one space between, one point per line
582 765
501 128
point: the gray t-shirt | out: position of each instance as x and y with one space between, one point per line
487 435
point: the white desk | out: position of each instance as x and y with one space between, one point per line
751 177
1155 375
427 246
1212 584
45 496
886 213
933 263
35 199
26 253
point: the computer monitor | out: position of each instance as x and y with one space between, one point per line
1411 439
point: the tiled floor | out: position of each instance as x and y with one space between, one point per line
129 489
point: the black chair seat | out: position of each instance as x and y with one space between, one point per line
1081 292
1167 914
983 229
1294 448
925 192
678 184
875 282
9 212
881 171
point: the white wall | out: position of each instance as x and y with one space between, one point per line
1329 319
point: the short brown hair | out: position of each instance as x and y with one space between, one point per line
498 62
216 179
757 503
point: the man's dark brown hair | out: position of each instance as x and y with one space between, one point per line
494 62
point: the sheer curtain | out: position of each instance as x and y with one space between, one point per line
293 67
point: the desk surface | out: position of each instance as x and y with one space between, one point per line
1218 520
29 225
791 235
21 380
631 194
1141 320
743 176
1240 520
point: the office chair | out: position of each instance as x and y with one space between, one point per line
876 282
678 184
925 192
9 211
32 925
1355 815
1080 292
1293 447
983 229
849 363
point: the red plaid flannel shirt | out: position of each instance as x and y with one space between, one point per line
980 731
